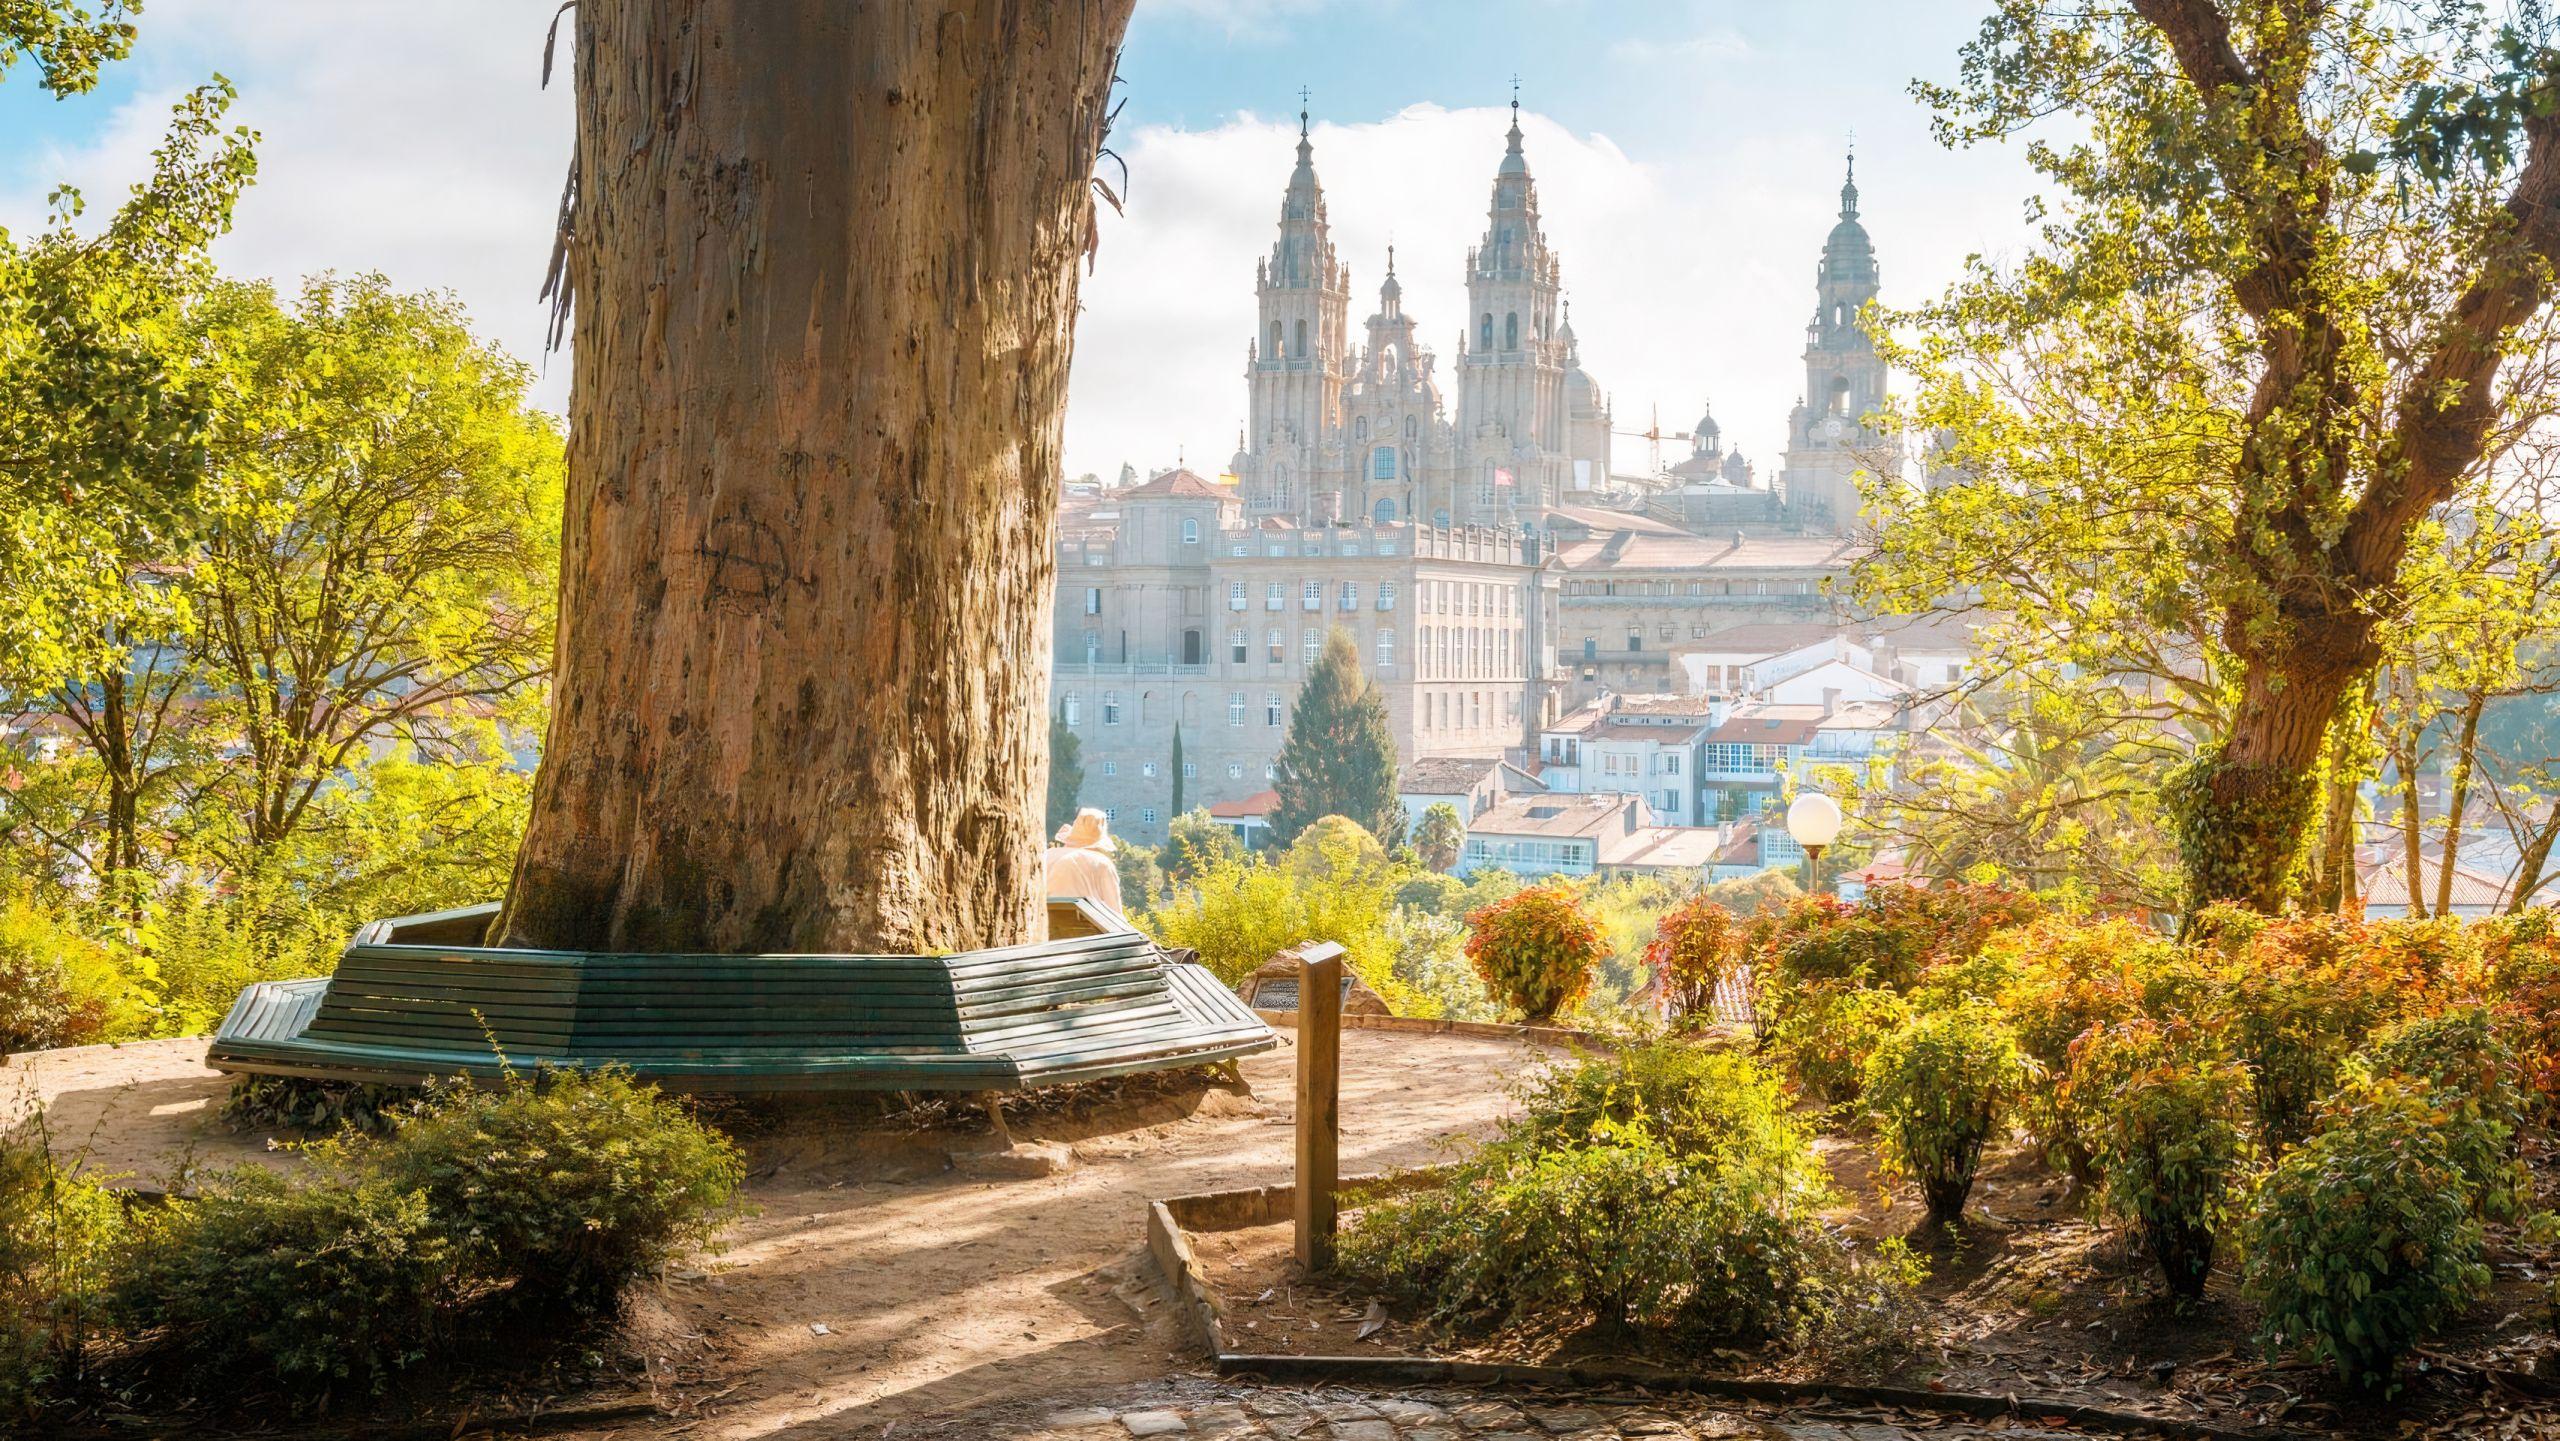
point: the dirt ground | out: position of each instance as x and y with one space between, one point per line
878 1283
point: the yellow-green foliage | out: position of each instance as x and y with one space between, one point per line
2170 1134
1827 1031
1335 884
1535 950
60 987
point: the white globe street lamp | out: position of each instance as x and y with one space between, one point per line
1814 820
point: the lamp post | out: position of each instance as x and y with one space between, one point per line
1814 820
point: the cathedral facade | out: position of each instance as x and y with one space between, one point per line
1338 433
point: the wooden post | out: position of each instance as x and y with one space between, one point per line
1319 1101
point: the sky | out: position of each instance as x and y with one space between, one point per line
1688 155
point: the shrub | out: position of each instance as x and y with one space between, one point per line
1431 965
2171 1138
1695 949
1625 1230
1938 1087
2067 980
2294 1028
2362 1241
59 986
2463 1065
327 1284
302 1104
1535 950
57 1231
1826 1034
2521 955
572 1187
1693 1100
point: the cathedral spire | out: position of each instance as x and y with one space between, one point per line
1849 187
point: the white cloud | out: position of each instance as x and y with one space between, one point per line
410 139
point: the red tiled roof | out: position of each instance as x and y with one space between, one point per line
1252 808
1180 485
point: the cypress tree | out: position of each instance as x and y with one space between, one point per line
1066 773
1340 757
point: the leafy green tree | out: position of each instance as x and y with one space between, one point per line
1340 757
66 40
2198 435
1195 843
1441 838
380 573
1066 773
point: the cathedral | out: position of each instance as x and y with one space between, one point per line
1344 433
1338 432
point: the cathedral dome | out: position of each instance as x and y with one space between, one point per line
1847 253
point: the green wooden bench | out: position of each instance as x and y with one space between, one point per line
415 998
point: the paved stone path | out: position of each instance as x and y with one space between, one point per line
1185 1408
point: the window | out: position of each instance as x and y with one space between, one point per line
1238 643
1412 427
1270 772
1311 595
1382 463
1190 531
1310 645
1235 595
1147 815
1235 707
1194 649
1071 709
1301 351
1148 770
1386 595
1635 640
1279 640
1111 707
1235 771
1111 768
1664 632
1671 764
1275 596
1111 814
1092 646
1190 771
1093 600
1348 597
1510 331
1276 352
1386 648
1484 332
1270 710
1591 647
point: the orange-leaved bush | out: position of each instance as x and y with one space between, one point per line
1694 949
1535 949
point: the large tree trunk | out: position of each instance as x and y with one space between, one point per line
823 257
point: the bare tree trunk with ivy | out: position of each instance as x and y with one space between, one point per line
824 263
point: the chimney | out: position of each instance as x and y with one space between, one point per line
1830 700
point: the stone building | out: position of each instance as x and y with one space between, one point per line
1831 434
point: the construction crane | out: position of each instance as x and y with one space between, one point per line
1654 435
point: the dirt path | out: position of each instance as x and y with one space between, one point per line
853 1300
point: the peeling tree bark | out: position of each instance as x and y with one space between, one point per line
824 264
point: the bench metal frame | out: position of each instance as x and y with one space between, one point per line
415 999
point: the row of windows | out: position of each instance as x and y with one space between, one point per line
1466 597
1745 757
1516 855
1235 770
1468 710
1275 595
1612 763
1467 653
1695 588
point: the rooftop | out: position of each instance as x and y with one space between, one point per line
1252 807
1698 552
1759 642
1684 847
1177 485
1556 815
1445 775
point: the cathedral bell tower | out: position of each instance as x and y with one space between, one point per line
1294 365
1511 361
1829 436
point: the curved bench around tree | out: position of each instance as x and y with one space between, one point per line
414 999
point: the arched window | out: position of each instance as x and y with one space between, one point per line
1360 428
1384 514
1275 341
1301 351
1510 331
1412 427
1484 332
1190 531
1382 463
